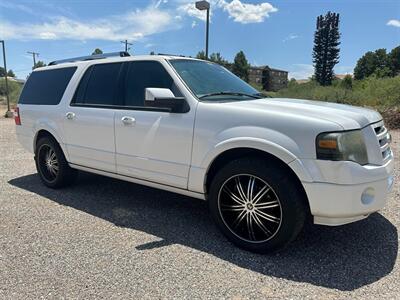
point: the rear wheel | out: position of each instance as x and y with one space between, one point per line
257 205
51 164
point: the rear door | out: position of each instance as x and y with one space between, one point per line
151 143
89 118
39 103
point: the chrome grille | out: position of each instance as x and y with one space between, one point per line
383 137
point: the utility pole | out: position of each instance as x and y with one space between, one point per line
9 114
126 45
34 54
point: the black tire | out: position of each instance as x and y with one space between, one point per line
282 210
54 178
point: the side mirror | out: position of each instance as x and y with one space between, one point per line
164 98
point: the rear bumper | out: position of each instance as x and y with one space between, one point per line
333 203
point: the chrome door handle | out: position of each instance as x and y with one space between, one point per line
128 120
70 115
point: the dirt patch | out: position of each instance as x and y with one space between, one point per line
391 117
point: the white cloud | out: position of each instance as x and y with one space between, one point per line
191 10
395 23
159 2
301 71
237 10
290 37
194 24
247 13
132 25
48 36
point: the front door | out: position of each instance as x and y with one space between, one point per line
152 144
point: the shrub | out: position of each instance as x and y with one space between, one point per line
14 90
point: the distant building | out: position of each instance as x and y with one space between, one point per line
270 79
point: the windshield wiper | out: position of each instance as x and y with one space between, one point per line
255 96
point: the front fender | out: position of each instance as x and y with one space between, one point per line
287 151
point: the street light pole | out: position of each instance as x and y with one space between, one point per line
8 112
204 5
207 29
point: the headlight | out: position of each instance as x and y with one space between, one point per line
347 145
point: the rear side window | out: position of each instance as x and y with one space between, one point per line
98 85
46 87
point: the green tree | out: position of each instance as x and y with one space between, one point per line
2 72
394 60
377 63
152 53
241 66
97 51
217 58
201 55
382 63
38 64
10 73
326 47
347 82
365 66
292 83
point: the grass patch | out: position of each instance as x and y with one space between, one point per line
382 94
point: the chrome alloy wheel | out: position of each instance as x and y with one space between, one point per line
250 208
48 163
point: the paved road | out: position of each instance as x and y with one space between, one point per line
104 238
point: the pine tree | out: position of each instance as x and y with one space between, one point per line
326 47
394 61
201 55
217 58
10 73
97 51
241 66
38 64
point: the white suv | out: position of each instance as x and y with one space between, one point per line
191 127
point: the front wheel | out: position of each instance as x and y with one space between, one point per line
257 205
51 164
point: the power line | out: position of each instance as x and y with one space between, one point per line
126 45
34 55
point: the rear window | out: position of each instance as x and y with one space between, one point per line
46 87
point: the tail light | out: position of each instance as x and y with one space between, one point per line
17 117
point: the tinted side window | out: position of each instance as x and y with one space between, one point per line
98 85
46 87
145 74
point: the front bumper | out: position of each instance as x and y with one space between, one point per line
343 201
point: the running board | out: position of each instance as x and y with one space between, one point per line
140 181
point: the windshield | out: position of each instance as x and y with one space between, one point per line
211 82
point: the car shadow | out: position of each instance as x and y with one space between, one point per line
345 258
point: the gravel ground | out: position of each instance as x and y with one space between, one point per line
104 238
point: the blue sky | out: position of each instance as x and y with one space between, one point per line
276 33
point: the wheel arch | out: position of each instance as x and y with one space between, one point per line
45 132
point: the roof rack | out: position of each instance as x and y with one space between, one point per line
178 55
90 57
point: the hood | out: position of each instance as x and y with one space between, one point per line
346 116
